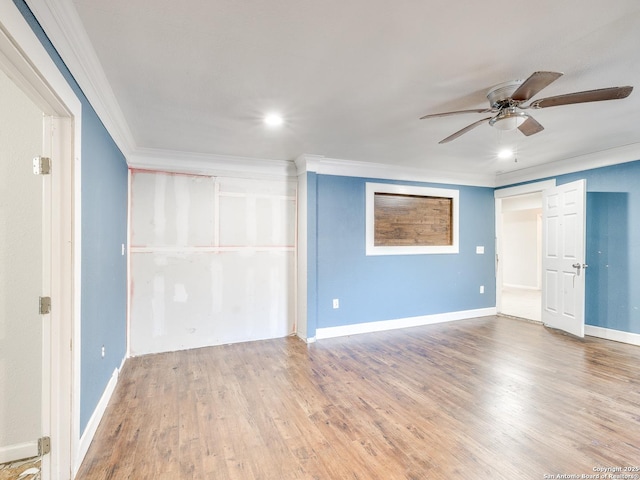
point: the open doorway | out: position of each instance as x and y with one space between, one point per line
521 256
24 261
519 250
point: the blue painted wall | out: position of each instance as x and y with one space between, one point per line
104 229
613 245
104 268
390 287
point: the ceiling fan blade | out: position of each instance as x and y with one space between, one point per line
464 130
532 85
530 126
611 93
446 114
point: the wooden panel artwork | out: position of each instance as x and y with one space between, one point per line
412 220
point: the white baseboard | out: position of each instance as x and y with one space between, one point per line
18 451
94 421
611 334
354 329
305 339
520 287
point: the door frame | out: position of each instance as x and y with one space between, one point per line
499 194
24 59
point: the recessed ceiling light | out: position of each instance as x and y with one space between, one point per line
505 153
273 120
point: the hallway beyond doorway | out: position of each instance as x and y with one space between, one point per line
522 302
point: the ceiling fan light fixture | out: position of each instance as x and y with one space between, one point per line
508 119
505 153
273 120
508 123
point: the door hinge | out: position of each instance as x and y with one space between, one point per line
41 165
45 305
44 446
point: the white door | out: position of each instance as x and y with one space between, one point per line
563 257
24 261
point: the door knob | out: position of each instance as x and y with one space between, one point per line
578 266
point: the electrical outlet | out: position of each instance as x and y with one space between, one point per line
336 303
102 351
480 249
481 288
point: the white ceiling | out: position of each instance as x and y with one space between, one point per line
352 77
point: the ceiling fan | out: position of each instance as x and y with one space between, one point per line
509 112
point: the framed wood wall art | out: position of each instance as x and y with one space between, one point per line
405 220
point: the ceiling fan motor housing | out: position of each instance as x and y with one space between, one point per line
498 94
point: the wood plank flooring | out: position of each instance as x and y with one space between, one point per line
489 398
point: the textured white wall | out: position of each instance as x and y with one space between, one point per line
212 260
20 268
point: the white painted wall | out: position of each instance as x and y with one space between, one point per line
212 260
521 248
530 201
20 270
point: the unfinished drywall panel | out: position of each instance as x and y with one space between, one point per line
200 299
267 210
212 260
171 209
265 221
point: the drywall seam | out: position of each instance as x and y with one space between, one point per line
256 195
216 212
168 249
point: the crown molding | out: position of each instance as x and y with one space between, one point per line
308 163
214 164
60 21
604 158
209 164
227 165
352 168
